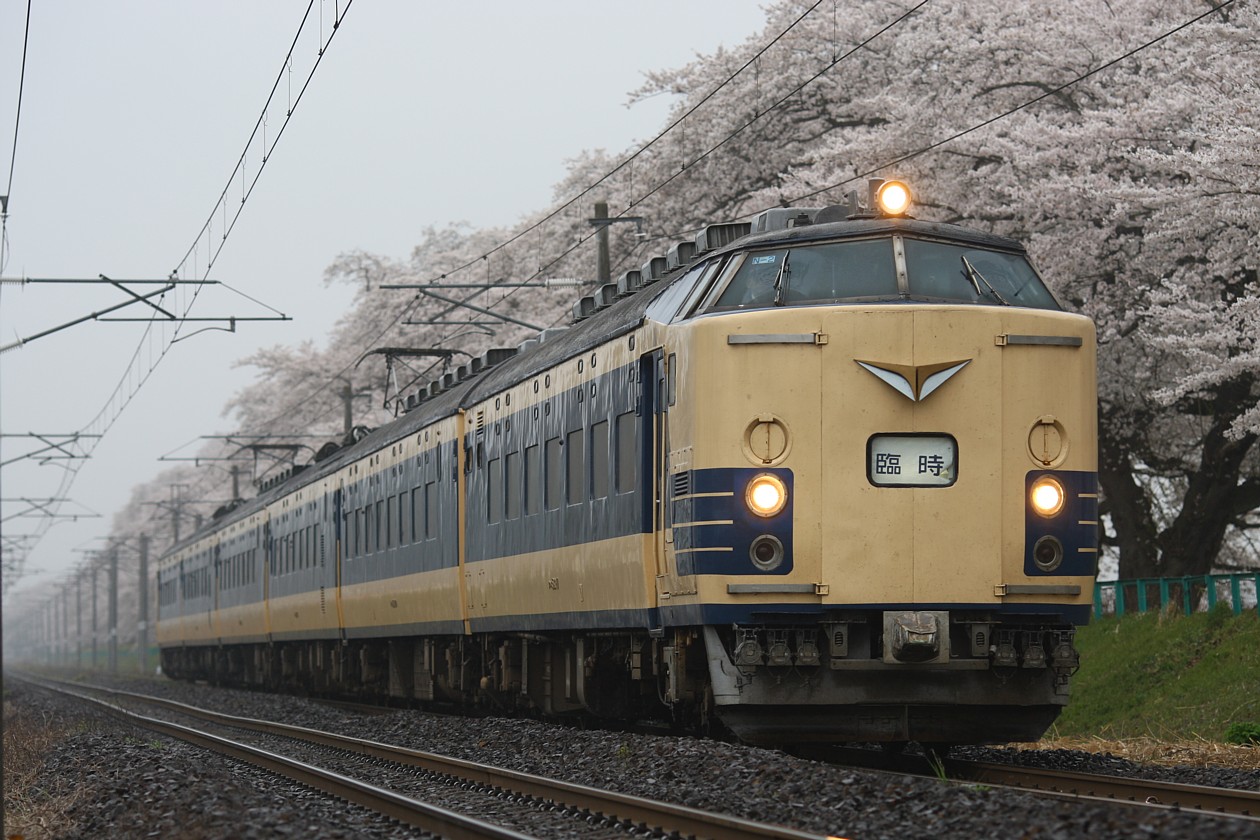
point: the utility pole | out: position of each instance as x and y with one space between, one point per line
601 222
93 568
601 241
142 625
65 623
177 508
78 619
113 611
56 640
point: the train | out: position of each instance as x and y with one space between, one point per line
829 475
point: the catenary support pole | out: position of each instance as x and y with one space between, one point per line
113 611
142 625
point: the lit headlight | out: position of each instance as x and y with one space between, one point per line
766 495
893 198
1046 496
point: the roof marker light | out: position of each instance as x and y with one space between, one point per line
893 198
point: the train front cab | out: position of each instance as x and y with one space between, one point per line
905 587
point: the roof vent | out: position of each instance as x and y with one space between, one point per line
629 283
653 270
835 213
551 334
463 372
327 451
412 402
497 356
584 308
782 218
527 345
679 254
719 236
605 295
448 380
423 394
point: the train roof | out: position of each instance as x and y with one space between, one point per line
864 227
551 347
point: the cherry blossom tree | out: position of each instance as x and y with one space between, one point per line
1134 185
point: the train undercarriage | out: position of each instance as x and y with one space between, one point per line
837 681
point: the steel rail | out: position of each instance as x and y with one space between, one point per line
1173 795
1060 784
662 816
431 818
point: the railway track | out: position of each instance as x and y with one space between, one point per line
593 811
1063 784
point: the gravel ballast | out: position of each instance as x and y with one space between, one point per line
141 787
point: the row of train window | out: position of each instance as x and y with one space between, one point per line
168 591
409 517
542 477
194 584
585 464
239 570
301 549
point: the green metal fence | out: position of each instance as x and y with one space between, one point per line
1185 592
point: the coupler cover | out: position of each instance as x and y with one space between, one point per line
916 637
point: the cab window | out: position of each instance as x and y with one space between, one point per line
812 274
946 271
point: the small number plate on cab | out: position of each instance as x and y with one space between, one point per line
905 460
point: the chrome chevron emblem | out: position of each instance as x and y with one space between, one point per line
915 382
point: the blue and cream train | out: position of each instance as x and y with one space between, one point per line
826 476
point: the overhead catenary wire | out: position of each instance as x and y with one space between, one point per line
918 152
1012 111
581 241
132 379
688 167
537 225
1034 100
17 124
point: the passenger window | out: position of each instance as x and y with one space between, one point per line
555 474
391 514
430 510
533 480
599 460
494 491
513 485
626 465
417 514
575 487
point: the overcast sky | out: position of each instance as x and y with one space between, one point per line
134 114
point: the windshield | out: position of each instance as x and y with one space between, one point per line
866 269
813 274
958 272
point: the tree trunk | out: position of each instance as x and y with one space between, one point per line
1211 503
1126 502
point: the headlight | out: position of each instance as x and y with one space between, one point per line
766 495
1046 496
893 198
1048 553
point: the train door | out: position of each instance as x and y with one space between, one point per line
341 531
268 567
215 623
654 432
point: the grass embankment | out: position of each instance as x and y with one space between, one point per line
1158 686
35 806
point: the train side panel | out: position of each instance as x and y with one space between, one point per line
400 572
